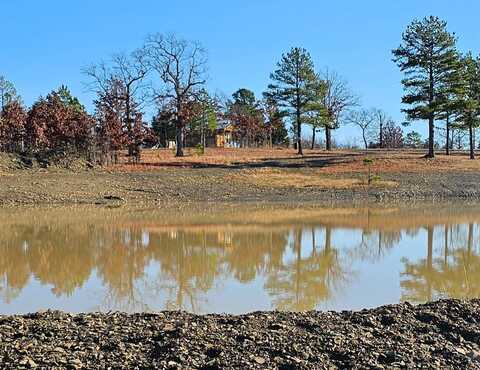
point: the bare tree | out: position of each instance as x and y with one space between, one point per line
364 119
181 66
336 101
381 120
129 71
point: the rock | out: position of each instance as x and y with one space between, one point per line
75 363
474 355
113 197
168 328
258 340
31 364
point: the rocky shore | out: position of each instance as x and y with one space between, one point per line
443 334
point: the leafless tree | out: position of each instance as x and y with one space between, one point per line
128 70
381 119
181 67
364 119
336 101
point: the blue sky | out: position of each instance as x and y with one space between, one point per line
44 44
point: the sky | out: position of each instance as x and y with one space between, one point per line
44 44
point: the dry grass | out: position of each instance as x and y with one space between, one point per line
335 162
278 178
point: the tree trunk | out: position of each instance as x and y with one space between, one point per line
313 138
447 144
328 239
179 139
365 140
471 134
431 137
470 239
299 133
445 247
431 118
381 135
328 138
429 259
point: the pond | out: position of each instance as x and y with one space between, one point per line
236 259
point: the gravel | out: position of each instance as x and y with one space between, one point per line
444 334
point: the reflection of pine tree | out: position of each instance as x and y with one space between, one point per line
452 275
301 284
374 245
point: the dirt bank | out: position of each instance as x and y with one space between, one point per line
437 335
312 178
172 185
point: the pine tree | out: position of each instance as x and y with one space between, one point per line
8 93
468 99
428 58
293 87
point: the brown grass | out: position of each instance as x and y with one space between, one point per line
269 177
335 162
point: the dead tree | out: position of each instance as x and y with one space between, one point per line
181 68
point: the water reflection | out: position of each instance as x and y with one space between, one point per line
242 261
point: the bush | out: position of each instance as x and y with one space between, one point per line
199 149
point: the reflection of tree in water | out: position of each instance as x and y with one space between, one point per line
179 265
454 273
256 253
121 259
374 245
309 279
14 268
65 256
190 263
50 254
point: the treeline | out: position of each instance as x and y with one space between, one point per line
441 83
170 74
54 124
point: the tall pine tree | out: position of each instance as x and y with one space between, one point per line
293 87
428 58
468 99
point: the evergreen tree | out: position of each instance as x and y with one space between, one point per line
468 103
204 115
413 140
245 114
8 93
316 111
428 58
69 100
293 87
163 125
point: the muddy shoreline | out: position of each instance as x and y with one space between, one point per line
179 185
444 334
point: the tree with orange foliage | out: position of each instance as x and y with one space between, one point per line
58 125
12 127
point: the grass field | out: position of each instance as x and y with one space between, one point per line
338 161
